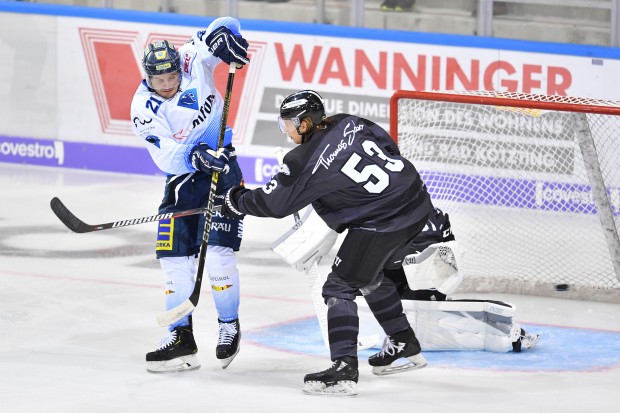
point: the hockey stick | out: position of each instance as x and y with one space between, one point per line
175 314
77 225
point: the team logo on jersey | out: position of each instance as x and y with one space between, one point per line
153 139
179 135
137 120
189 99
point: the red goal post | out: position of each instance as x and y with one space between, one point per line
531 183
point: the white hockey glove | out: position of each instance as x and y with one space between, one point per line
207 160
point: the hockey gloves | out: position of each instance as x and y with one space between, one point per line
207 160
230 47
230 206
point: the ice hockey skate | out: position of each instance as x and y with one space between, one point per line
399 353
338 380
176 353
525 341
228 342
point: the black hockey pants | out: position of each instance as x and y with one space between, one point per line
358 268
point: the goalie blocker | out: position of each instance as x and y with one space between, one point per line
424 280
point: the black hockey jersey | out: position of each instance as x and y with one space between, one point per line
353 175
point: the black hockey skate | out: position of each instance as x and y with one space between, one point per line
228 342
176 352
400 352
338 380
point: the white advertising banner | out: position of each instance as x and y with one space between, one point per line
99 70
89 68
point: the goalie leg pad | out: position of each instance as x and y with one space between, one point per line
462 325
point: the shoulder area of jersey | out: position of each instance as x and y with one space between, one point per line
345 121
187 54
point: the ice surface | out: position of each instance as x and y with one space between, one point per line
77 313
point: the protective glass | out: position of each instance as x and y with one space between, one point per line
165 81
285 124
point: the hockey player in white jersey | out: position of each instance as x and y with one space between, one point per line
176 113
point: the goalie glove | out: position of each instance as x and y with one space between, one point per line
230 205
207 160
230 47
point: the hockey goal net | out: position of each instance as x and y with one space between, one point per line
531 184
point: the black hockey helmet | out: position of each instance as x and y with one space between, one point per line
305 103
160 58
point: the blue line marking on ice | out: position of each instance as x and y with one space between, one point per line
559 349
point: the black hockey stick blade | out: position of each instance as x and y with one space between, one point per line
66 217
77 225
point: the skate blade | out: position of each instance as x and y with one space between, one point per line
225 362
177 365
411 363
342 388
528 344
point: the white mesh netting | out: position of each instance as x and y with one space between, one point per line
515 184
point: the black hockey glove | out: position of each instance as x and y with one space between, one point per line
207 160
230 206
230 47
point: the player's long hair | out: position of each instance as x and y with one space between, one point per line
313 128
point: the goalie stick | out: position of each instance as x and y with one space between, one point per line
177 313
316 281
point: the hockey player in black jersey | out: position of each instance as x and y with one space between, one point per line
352 173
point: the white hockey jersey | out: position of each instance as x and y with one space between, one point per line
170 128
